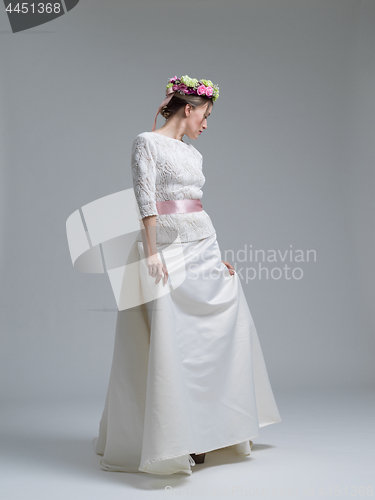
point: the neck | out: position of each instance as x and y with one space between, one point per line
173 128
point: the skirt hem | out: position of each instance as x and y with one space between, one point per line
269 423
206 451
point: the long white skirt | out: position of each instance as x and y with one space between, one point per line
188 373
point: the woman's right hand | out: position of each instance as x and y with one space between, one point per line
157 268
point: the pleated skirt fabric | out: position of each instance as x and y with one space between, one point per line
188 373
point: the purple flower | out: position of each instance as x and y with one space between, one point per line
182 87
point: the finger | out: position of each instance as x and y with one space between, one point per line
229 266
159 272
165 276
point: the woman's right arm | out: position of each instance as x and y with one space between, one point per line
144 174
155 266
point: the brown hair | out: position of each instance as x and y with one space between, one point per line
179 101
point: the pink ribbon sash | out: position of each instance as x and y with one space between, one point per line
178 206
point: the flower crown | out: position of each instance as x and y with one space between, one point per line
187 85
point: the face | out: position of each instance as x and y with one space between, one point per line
197 120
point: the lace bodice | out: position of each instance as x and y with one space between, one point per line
164 168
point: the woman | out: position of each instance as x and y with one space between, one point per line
188 374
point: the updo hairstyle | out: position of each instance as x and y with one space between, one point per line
179 101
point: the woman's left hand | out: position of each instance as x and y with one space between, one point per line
229 266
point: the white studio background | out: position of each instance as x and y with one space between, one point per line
288 160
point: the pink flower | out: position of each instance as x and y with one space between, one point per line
209 91
172 80
201 90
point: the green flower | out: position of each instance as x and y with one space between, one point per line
207 83
190 82
170 84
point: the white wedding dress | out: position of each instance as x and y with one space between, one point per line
188 373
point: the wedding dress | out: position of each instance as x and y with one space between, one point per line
188 373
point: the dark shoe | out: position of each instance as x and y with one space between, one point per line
198 459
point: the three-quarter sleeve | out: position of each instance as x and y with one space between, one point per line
143 166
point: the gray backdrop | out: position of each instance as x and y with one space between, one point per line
288 160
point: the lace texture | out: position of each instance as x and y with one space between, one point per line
164 168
